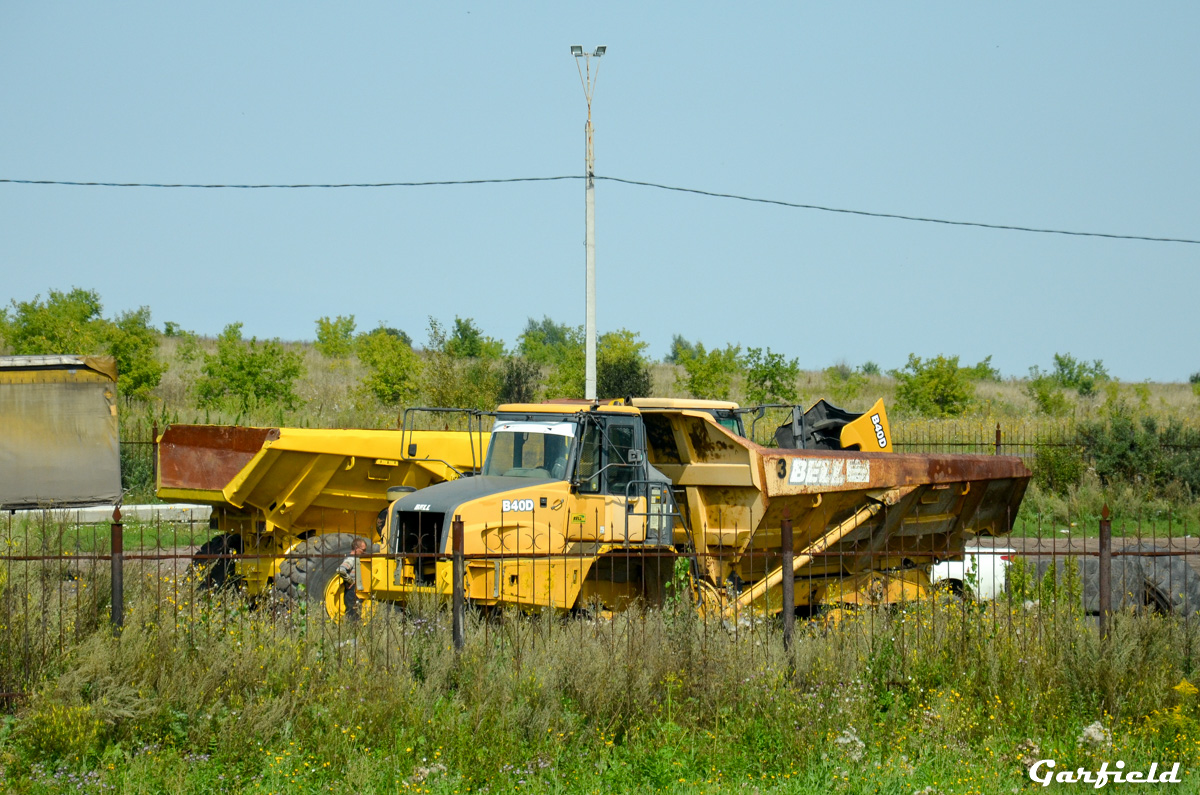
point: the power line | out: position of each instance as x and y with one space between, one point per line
276 186
636 183
897 216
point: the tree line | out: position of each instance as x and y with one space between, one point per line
460 365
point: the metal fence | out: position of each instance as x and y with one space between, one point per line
62 580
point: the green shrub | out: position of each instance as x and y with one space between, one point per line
65 323
450 380
709 374
1043 389
248 373
622 377
770 378
392 367
621 366
467 341
934 387
188 349
568 368
680 349
870 368
544 342
982 371
72 323
335 338
137 471
133 343
1123 448
558 348
519 380
1057 469
1080 376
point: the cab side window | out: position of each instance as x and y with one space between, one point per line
589 460
604 461
620 472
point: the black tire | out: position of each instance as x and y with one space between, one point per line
1172 585
316 564
954 588
215 574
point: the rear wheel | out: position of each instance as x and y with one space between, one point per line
1172 585
311 573
215 573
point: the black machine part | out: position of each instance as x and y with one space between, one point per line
819 428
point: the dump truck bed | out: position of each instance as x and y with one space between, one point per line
299 479
851 512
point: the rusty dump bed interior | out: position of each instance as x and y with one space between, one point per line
299 478
195 462
851 511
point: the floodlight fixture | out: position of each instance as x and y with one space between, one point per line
576 50
600 51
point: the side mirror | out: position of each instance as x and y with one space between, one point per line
636 456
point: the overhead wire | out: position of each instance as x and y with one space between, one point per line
279 186
619 180
900 217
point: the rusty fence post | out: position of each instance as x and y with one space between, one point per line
154 453
457 576
789 581
1105 574
998 438
118 572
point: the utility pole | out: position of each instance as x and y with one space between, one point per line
588 78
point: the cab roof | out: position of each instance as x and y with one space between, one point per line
683 403
572 407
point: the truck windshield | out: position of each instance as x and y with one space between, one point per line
529 449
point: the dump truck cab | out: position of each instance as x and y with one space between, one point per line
558 478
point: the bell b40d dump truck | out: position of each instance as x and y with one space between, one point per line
283 496
592 505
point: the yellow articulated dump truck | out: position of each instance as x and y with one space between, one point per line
288 502
591 505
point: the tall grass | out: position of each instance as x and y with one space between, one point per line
202 693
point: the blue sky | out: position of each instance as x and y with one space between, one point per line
1080 116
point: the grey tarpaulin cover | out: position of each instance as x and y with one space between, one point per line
59 441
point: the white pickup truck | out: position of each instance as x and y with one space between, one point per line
982 573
